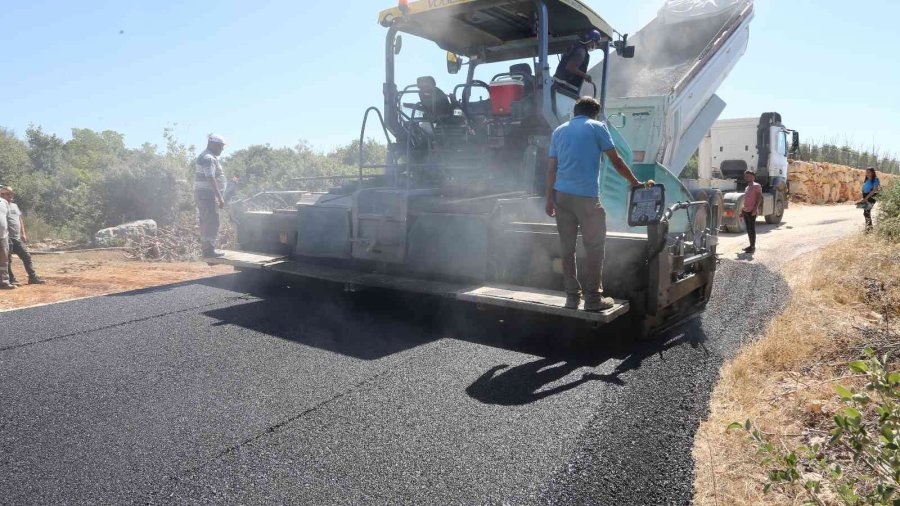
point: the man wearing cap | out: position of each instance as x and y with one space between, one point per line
209 191
4 246
18 238
573 198
752 199
573 65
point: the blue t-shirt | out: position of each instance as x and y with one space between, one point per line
578 145
869 185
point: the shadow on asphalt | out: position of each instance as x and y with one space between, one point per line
321 315
524 384
225 281
370 325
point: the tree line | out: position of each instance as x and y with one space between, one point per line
72 188
842 153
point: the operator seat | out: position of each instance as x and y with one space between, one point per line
524 71
435 104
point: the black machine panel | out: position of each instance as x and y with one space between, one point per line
646 205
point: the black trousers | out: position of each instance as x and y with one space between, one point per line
18 247
750 222
867 212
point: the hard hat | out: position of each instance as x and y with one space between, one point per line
590 36
216 139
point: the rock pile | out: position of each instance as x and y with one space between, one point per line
120 235
826 183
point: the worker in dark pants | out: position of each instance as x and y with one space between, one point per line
573 66
18 239
871 187
750 210
4 247
209 191
573 197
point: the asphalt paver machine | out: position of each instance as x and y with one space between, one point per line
456 209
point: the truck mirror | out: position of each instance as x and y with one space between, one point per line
454 62
795 143
398 44
628 52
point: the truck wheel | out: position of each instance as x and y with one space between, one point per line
701 218
736 224
775 218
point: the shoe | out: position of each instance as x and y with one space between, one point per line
749 249
34 280
599 304
15 282
213 254
572 301
6 286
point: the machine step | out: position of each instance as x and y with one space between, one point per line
245 259
520 298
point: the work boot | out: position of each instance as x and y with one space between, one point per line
598 304
35 280
572 301
7 286
14 282
750 249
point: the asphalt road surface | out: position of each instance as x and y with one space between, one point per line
204 393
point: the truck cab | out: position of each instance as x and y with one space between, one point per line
762 145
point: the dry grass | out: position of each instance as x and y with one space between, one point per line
844 298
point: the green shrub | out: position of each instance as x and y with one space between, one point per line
889 212
861 461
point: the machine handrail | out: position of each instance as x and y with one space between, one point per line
362 134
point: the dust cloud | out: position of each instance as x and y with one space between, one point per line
664 53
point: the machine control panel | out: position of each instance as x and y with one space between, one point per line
646 205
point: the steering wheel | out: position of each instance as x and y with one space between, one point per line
467 88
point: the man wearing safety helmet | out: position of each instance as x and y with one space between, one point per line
209 188
574 63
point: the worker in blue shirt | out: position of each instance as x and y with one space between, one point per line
870 188
573 197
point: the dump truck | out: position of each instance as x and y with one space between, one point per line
761 145
457 208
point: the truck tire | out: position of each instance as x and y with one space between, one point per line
702 216
736 225
775 217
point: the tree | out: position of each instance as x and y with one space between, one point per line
14 161
45 151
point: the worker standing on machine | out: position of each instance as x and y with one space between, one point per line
573 197
209 188
573 65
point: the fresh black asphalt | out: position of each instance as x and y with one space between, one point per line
204 393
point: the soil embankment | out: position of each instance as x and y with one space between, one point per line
827 183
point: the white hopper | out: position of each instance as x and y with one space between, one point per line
665 95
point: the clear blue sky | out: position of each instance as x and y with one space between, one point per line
279 71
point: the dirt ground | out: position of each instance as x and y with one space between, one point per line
89 273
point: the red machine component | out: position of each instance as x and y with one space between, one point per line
504 93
